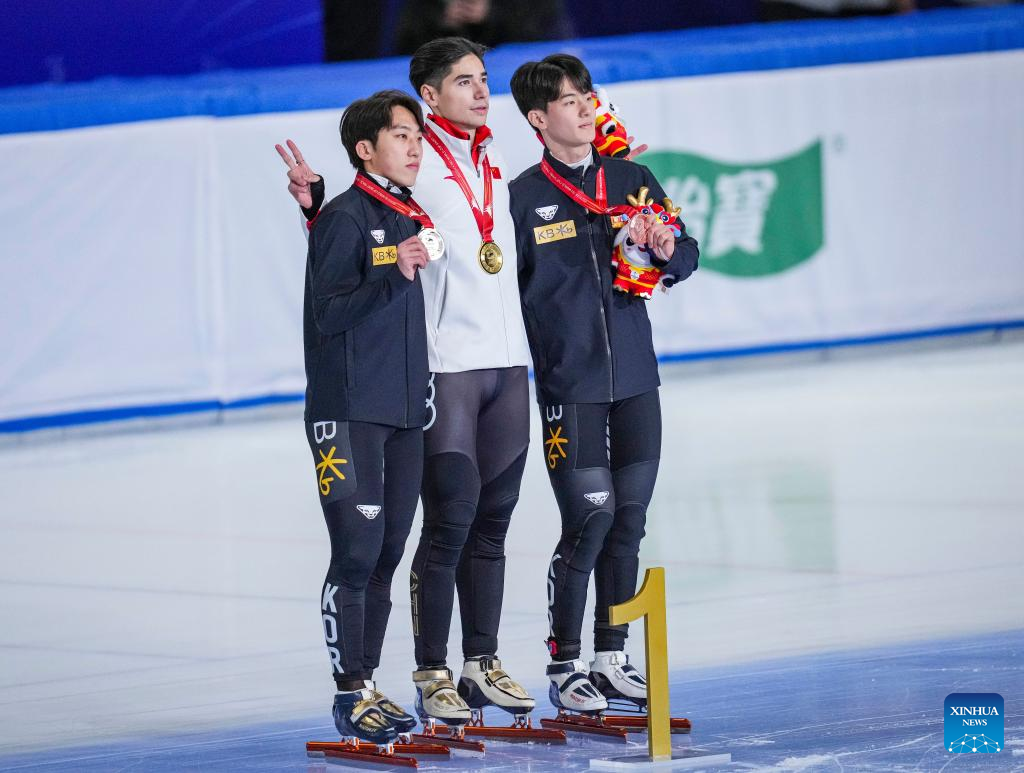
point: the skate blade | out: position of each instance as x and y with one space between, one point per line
320 747
520 731
638 723
362 752
588 725
516 734
443 736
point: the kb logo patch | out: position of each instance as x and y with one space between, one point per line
543 234
974 723
382 256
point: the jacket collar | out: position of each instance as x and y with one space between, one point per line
398 191
570 174
458 140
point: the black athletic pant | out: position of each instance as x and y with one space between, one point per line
369 480
602 461
475 444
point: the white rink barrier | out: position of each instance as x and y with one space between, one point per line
158 266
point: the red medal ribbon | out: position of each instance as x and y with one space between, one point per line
484 217
408 208
598 207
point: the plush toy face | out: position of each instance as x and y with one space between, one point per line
610 137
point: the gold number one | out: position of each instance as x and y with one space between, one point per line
649 604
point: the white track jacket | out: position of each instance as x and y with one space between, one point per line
474 319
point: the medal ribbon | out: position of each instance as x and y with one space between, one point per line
484 217
408 208
598 207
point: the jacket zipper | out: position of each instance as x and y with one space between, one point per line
600 300
408 386
478 168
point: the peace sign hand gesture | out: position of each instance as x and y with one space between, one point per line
300 176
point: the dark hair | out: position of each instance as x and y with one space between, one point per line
364 119
535 84
433 61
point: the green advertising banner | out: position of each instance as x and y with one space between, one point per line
751 220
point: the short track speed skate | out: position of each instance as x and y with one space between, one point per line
625 689
580 704
371 726
618 680
484 683
438 701
611 681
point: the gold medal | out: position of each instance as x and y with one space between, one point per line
433 241
490 257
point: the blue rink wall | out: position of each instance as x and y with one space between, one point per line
991 331
638 57
152 262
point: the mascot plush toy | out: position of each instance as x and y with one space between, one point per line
610 137
637 269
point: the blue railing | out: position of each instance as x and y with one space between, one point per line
635 57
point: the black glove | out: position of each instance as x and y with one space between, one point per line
317 190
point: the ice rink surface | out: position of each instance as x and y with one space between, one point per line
842 543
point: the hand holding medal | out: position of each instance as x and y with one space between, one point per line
649 230
653 227
645 246
638 226
661 239
412 255
432 240
428 236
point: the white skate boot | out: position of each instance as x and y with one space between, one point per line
571 690
437 699
613 675
484 683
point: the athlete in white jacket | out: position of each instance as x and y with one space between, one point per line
478 406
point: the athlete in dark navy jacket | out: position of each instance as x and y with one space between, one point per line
367 376
596 370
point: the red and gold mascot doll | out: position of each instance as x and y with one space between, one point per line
636 269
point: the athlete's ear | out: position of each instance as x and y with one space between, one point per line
364 149
538 119
429 95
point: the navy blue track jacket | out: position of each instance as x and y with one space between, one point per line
590 343
363 321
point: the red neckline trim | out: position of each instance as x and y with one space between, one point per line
449 127
482 134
